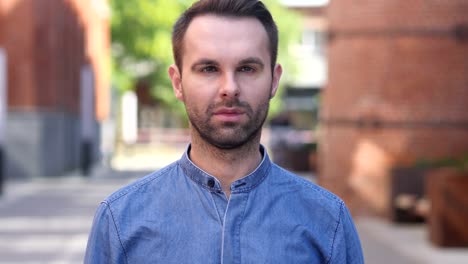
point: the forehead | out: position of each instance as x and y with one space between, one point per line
226 38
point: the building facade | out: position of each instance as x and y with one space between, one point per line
52 47
397 93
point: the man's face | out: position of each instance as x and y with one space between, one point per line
226 82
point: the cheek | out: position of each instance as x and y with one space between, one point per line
258 90
195 94
196 86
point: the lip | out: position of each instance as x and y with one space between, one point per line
228 111
229 114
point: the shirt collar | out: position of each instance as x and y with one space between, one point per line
211 183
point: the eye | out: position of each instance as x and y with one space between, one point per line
246 69
209 69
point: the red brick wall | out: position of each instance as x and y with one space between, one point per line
95 22
17 41
1 24
397 93
59 55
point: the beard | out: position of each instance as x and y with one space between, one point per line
229 135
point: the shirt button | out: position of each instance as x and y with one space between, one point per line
211 183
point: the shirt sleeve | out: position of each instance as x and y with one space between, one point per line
346 244
104 244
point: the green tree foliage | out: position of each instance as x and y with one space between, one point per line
141 44
290 28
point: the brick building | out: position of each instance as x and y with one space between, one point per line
48 43
397 93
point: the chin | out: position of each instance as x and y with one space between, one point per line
228 145
233 141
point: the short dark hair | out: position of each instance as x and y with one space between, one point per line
231 8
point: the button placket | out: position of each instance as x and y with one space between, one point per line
211 183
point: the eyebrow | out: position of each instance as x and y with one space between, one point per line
249 60
203 61
253 60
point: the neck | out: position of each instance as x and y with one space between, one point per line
227 165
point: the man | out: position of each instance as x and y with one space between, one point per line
224 201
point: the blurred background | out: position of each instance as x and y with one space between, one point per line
373 106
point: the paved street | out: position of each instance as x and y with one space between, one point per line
47 221
387 243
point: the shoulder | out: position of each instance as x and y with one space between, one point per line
141 186
319 209
305 192
310 189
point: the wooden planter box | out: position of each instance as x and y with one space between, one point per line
447 190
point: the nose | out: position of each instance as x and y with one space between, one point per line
229 86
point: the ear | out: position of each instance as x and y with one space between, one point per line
176 80
277 71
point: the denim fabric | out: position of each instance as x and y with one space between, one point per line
179 214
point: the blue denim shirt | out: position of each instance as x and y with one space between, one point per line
179 214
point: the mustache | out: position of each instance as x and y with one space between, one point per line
232 103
